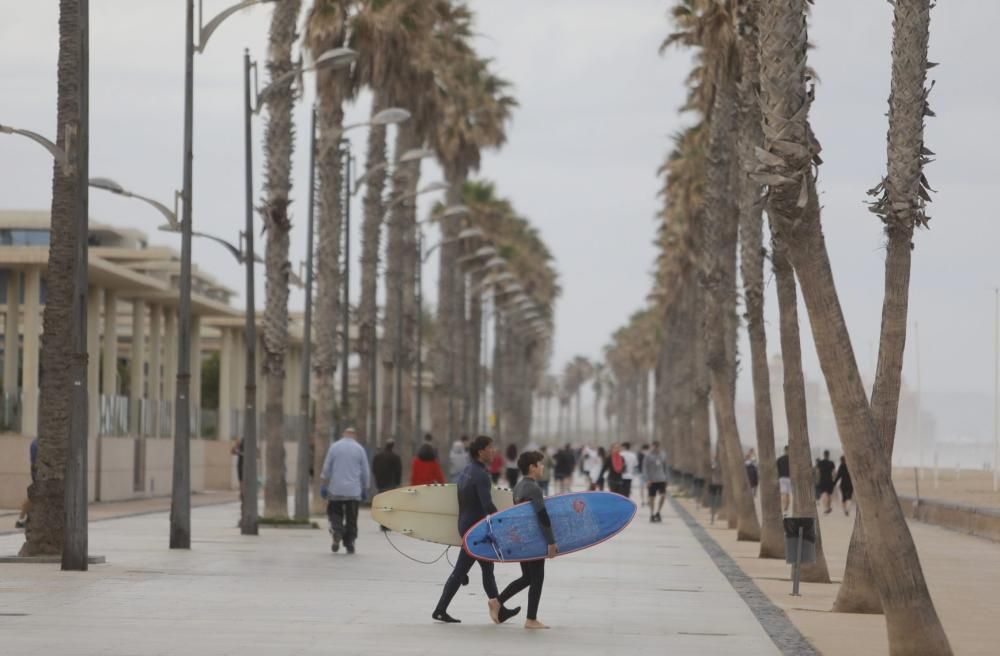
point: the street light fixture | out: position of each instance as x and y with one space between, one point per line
411 155
58 153
333 59
109 185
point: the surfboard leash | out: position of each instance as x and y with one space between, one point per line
416 560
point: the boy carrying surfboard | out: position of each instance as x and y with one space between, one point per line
475 501
527 490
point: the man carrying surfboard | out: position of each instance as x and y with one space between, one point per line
474 502
532 466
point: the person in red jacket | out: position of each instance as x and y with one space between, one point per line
425 468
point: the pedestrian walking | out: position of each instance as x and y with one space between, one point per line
387 469
344 483
614 468
531 464
595 468
654 471
22 519
565 462
825 470
475 501
458 457
750 462
784 481
425 468
496 467
631 469
545 476
511 472
846 485
639 478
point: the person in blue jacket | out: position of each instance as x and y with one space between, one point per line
475 501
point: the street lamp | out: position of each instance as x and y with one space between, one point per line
57 153
388 116
180 497
107 184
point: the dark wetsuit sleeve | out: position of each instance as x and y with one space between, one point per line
538 503
485 492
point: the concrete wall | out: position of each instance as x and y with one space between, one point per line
212 467
981 522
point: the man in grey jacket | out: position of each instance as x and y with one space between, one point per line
345 480
654 470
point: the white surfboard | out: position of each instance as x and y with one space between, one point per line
427 512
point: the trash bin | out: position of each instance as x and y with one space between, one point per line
792 526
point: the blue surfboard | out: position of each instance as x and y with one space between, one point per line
579 520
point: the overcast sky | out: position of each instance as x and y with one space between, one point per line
598 105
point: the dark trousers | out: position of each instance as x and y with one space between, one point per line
532 577
343 517
454 582
625 488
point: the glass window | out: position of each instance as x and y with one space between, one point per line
22 237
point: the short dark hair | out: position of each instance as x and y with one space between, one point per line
826 454
527 459
465 438
428 437
389 445
478 444
626 446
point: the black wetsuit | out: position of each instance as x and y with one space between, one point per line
532 571
475 501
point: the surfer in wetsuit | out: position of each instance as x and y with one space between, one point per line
475 501
532 466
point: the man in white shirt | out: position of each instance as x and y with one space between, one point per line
631 469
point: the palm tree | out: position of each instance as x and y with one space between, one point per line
900 203
786 165
44 533
799 450
387 37
711 26
476 108
598 385
326 28
278 224
752 271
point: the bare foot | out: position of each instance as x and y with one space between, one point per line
494 605
534 624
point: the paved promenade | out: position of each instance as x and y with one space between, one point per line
652 590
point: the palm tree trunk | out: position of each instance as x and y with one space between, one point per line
793 206
277 189
901 207
475 375
44 533
799 450
371 228
404 181
752 270
408 431
720 253
443 351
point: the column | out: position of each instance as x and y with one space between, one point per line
169 354
12 333
237 376
169 364
109 383
94 302
225 383
137 367
32 332
196 374
155 374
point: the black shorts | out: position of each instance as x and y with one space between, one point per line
826 488
657 488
